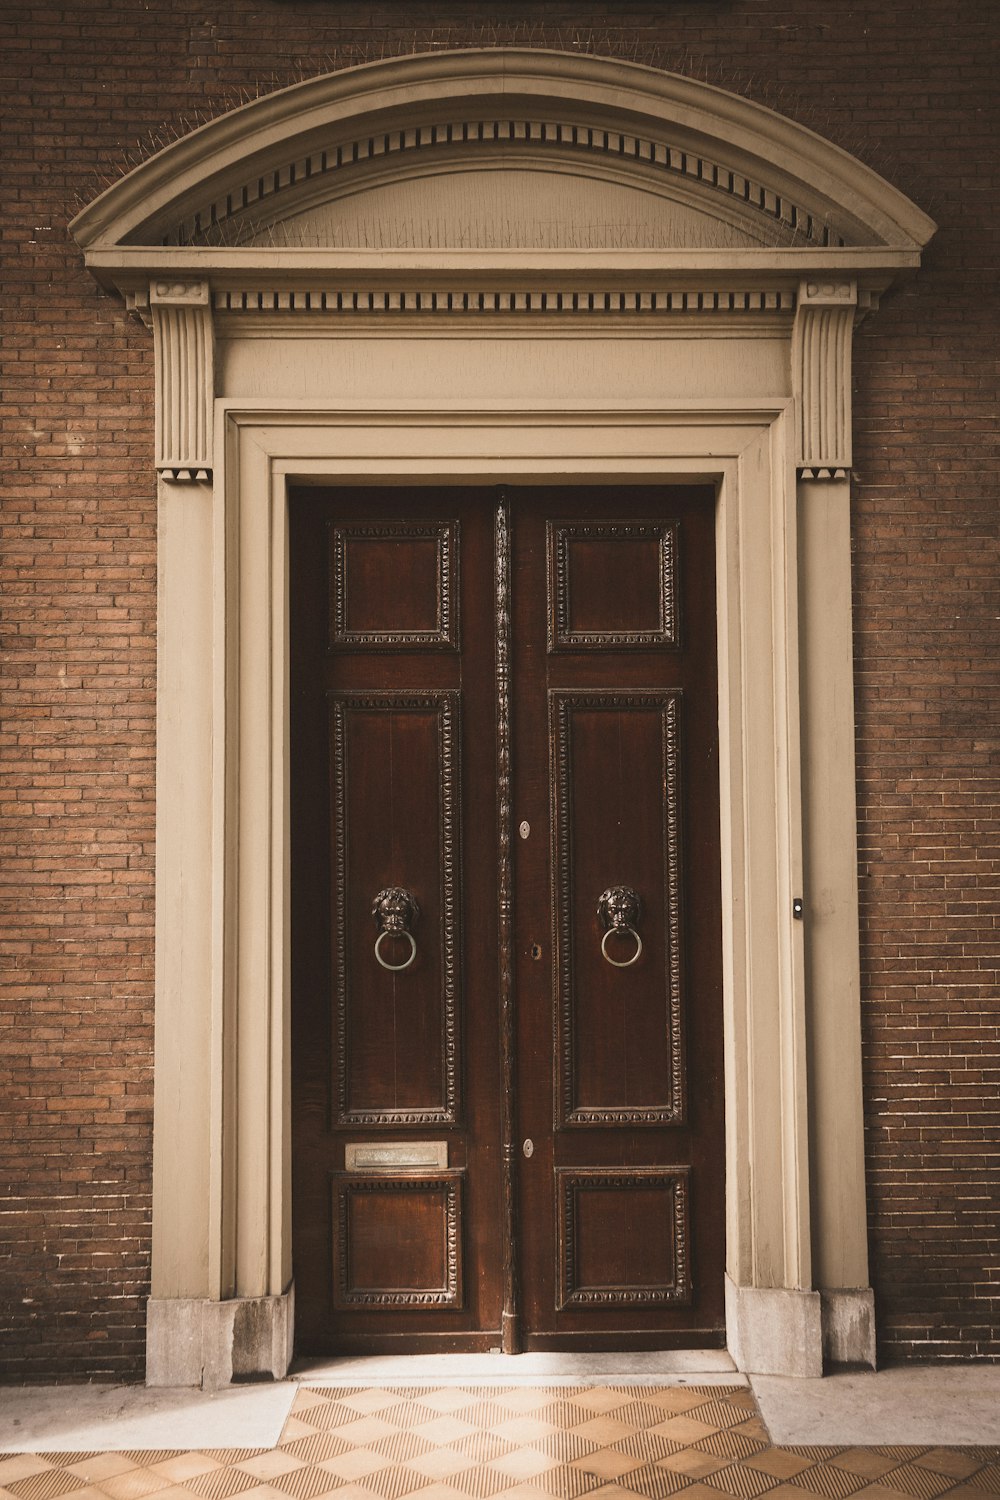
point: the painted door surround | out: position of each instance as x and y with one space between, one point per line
483 267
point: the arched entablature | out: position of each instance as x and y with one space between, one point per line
491 266
730 163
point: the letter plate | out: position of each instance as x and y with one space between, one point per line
396 1156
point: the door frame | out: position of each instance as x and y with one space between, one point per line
747 450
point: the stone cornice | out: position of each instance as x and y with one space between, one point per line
292 274
720 130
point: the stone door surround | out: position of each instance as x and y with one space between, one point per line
493 265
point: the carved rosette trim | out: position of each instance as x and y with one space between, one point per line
237 216
184 351
561 636
446 705
491 300
570 1183
568 1112
824 326
347 1185
446 634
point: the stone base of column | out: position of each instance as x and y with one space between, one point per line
774 1331
849 1326
192 1341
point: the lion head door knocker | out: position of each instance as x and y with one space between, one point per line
395 911
618 910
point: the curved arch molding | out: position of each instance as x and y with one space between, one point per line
478 266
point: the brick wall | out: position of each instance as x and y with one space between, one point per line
907 87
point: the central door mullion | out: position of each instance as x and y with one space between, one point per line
510 1316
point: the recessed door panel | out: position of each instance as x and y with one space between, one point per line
506 934
615 816
398 1241
395 824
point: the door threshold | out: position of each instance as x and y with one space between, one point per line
648 1367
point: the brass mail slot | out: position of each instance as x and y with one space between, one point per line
394 1156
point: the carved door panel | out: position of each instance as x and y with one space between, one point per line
617 918
429 649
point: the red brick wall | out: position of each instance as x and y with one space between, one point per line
910 89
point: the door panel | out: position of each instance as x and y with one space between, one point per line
395 776
409 1110
615 799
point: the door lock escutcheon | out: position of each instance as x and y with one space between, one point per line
529 1147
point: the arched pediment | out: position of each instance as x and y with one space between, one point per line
498 149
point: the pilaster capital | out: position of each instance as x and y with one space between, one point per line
821 375
184 341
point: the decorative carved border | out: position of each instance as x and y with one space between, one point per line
570 1182
510 1334
446 636
217 221
345 1185
558 537
561 706
469 300
447 706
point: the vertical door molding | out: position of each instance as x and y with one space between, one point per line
772 1311
821 351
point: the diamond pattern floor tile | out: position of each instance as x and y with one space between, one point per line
601 1442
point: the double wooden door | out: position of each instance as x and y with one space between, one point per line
507 1040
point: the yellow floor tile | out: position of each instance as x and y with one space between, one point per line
679 1399
529 1398
185 1466
607 1463
354 1464
523 1463
684 1429
690 1461
876 1491
604 1431
599 1398
133 1484
266 1465
22 1466
778 1464
951 1461
523 1429
911 1479
439 1463
369 1401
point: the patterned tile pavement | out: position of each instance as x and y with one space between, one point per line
523 1443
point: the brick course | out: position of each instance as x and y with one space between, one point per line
88 87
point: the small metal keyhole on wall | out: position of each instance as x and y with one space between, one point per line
529 1147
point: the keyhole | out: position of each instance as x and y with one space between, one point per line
536 950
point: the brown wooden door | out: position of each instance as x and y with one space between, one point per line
508 1120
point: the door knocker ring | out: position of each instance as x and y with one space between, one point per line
618 910
394 910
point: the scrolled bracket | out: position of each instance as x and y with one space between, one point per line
184 343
